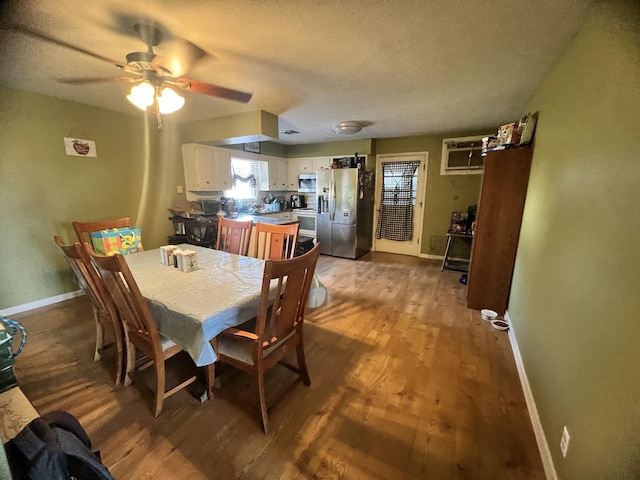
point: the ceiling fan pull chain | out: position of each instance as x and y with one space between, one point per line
158 114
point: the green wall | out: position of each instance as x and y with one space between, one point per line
575 297
44 190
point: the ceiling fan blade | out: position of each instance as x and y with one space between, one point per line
46 38
213 90
177 57
83 81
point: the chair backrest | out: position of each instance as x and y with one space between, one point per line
275 242
89 279
131 305
84 229
234 236
276 320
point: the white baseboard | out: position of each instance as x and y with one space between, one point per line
541 440
40 303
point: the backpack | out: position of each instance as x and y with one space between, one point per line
54 447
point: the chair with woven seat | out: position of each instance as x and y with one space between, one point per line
234 236
275 242
260 344
101 303
85 229
140 328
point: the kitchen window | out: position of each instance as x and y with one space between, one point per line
244 179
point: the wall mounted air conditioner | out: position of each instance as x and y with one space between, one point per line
462 156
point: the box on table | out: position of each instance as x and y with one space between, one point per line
187 260
117 240
167 253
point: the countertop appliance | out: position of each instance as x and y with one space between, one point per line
297 201
344 212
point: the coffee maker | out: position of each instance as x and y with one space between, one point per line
297 201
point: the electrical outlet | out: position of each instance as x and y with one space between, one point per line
564 441
179 189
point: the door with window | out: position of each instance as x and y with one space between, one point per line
399 202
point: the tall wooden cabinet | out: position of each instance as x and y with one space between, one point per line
502 197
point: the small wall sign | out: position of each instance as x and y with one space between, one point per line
78 147
252 147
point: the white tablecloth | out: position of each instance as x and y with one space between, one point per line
192 308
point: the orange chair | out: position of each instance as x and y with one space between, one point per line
101 302
140 328
234 236
258 345
85 229
275 242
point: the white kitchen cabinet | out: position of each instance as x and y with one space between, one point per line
321 162
311 164
305 165
292 174
273 174
206 168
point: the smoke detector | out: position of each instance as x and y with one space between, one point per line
346 128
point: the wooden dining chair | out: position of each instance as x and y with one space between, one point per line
260 344
140 328
85 229
104 314
275 242
234 236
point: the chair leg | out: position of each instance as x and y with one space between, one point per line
119 356
160 387
302 363
130 363
263 402
97 355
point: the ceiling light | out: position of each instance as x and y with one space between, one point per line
346 128
169 101
144 95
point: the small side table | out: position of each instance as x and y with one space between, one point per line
461 266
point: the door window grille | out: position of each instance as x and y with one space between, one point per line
399 190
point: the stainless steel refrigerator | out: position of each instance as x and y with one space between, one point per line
344 211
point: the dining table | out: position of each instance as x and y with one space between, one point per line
192 308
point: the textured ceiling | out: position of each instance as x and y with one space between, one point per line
399 67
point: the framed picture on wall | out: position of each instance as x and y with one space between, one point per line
251 147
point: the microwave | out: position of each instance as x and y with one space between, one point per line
307 183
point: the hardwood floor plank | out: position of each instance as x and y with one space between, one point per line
406 382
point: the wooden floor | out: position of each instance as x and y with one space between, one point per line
406 383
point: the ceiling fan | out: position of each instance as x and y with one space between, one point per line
153 74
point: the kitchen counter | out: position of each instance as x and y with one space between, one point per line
265 219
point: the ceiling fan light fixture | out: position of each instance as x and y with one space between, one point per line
169 101
346 128
142 95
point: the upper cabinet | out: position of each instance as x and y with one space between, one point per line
273 174
292 174
311 164
206 168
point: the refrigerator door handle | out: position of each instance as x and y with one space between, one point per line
332 199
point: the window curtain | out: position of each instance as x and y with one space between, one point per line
245 171
395 217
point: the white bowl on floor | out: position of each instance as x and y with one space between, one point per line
488 314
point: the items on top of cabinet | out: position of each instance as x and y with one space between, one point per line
510 135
